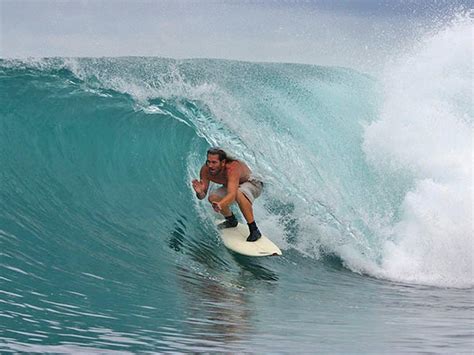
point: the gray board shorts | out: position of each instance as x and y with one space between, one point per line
251 188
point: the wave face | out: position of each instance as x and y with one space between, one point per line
119 140
97 157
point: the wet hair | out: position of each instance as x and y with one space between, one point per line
221 153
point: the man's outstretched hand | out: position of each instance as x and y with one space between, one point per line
198 186
217 207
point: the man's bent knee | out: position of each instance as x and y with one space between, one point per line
214 198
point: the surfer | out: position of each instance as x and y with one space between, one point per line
237 185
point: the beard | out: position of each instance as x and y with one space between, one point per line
215 172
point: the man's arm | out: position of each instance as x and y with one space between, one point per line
202 186
233 176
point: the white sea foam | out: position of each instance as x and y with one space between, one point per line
425 128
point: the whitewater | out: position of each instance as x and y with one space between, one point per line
368 192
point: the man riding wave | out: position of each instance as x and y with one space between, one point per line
238 185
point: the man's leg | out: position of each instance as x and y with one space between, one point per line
247 210
245 206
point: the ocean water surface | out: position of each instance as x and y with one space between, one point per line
368 192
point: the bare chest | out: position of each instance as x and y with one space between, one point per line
222 177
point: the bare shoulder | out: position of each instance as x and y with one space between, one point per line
234 167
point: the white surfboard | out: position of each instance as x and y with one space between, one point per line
235 239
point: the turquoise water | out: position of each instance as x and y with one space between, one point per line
104 246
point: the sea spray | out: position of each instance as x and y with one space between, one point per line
425 130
